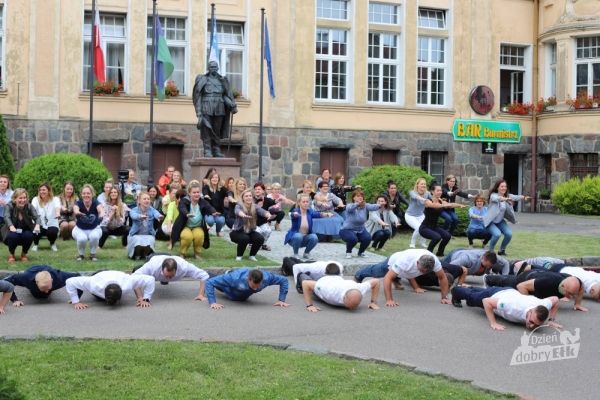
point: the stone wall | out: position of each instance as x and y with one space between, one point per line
560 147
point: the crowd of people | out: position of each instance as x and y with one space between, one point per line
184 212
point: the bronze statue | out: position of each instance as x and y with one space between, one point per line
214 103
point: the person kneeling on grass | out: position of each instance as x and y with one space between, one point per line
7 289
166 269
509 304
242 283
41 280
110 286
333 289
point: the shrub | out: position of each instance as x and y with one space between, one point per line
59 168
374 180
7 165
463 221
578 196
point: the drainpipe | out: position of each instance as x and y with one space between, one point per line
534 125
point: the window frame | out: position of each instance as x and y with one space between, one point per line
225 48
184 44
394 7
429 65
589 62
580 171
525 70
551 61
429 10
104 42
347 10
330 59
426 163
382 62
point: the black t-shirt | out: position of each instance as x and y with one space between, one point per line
431 217
546 284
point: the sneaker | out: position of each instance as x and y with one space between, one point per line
11 259
305 256
34 247
348 255
502 253
252 258
93 257
80 258
265 247
485 285
456 303
54 248
412 245
238 259
24 257
363 255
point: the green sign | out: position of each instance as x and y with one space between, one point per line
477 130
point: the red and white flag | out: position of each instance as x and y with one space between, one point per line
99 67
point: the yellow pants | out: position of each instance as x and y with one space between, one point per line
189 235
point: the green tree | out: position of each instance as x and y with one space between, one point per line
7 165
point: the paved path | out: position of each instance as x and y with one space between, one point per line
421 332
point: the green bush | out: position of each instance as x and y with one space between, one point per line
374 180
578 196
56 169
7 165
463 221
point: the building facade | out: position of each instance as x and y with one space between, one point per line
358 83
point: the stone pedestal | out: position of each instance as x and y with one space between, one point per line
226 167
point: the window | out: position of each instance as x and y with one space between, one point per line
430 18
2 77
552 70
514 72
583 164
382 74
332 9
588 66
175 33
113 34
431 71
230 36
382 13
433 163
331 69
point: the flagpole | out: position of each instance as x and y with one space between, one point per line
262 73
91 80
153 89
212 34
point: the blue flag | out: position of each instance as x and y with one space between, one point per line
213 54
164 64
269 64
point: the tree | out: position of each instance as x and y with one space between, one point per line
7 164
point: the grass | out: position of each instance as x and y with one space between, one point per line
136 369
220 254
523 245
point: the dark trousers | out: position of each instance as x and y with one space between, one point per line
474 295
122 231
51 233
243 239
351 238
478 234
14 239
380 237
431 279
279 217
511 280
450 220
436 235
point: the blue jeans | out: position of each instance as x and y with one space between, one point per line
478 233
450 220
308 241
351 238
497 229
474 295
380 237
372 271
215 219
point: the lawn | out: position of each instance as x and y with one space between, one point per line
136 369
523 245
220 254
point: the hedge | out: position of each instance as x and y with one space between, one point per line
58 168
374 180
578 196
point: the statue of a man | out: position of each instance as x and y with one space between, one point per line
213 101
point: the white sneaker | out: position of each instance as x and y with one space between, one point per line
485 280
252 258
54 248
348 255
363 255
238 259
34 247
412 245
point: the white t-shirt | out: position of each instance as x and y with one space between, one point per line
96 284
404 263
513 306
47 212
184 269
587 278
316 269
332 289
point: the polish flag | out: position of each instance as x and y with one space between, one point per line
98 54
